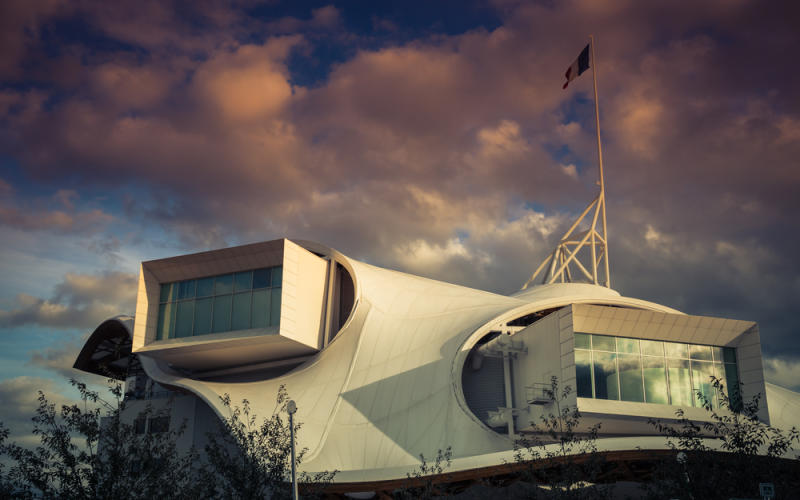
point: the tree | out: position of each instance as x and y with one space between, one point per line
88 451
752 453
421 479
567 463
6 488
251 460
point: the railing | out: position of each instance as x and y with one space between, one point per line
539 393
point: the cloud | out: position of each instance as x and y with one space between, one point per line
322 19
435 147
79 301
783 372
58 214
248 83
19 400
132 85
59 359
570 171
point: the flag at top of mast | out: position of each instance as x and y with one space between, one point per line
577 68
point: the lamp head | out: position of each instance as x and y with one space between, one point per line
291 407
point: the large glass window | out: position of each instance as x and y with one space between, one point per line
652 371
235 301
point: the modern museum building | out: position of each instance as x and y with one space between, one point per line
385 366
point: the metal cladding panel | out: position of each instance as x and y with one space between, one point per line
303 295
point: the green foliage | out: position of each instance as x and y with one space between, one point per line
87 451
753 453
566 463
421 479
251 459
6 487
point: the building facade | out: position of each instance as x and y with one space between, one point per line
385 366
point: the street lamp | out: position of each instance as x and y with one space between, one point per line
291 408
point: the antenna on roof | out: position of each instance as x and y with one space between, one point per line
564 258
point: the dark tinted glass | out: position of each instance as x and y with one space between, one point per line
223 284
205 287
241 311
166 313
202 316
729 354
260 313
186 289
277 276
222 314
243 281
168 292
185 318
261 278
605 376
275 307
583 373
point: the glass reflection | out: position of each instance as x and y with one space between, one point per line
676 350
702 371
680 382
630 377
205 305
655 380
651 371
652 347
604 343
606 385
583 341
628 345
583 373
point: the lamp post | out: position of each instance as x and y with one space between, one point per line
291 408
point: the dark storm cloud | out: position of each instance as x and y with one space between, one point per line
427 155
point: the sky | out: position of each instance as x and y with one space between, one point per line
430 137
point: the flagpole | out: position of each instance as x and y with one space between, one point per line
602 198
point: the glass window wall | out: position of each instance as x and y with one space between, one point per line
235 301
651 371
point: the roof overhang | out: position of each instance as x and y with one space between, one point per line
107 352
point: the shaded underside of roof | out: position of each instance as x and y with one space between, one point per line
107 352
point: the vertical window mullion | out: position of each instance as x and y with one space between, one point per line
641 373
619 378
252 305
669 387
591 369
173 320
211 319
230 317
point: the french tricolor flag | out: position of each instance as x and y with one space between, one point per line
577 68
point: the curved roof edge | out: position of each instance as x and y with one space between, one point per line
107 351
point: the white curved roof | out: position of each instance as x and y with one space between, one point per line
784 407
